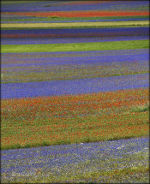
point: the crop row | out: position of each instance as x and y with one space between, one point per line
74 86
71 6
25 19
81 33
91 46
69 25
81 13
43 68
48 59
68 119
106 157
25 40
12 57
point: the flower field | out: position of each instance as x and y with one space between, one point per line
74 119
107 161
75 72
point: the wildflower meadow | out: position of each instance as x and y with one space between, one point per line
74 91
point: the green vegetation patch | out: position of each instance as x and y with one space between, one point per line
70 25
52 131
142 108
57 18
92 46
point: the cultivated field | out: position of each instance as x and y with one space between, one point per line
72 73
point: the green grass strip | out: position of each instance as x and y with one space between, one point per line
75 24
57 18
92 46
13 2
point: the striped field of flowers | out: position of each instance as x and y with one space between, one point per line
70 46
74 72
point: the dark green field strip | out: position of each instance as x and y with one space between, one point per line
56 18
75 27
93 46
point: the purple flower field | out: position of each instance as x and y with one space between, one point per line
69 6
13 58
78 86
27 161
92 32
87 60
